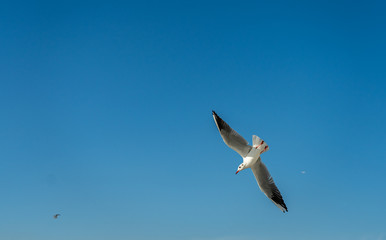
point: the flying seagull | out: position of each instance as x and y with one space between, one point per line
251 159
56 216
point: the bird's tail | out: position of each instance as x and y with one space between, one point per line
259 143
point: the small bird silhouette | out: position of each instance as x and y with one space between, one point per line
56 216
251 159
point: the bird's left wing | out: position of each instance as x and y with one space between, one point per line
231 137
267 185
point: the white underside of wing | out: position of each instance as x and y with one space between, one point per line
231 138
267 185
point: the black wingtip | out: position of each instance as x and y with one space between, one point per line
278 199
219 122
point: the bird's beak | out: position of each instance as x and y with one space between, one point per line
237 172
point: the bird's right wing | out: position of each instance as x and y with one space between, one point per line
267 185
231 137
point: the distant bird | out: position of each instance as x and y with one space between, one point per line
251 159
56 216
303 172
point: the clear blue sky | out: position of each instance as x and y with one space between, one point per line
106 119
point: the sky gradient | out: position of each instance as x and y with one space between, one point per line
106 119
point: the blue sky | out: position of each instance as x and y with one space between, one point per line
106 119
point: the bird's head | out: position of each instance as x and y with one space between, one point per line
240 168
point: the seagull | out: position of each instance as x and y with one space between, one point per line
56 216
251 159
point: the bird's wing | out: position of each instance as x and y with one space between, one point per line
267 185
231 137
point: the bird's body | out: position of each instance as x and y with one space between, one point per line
251 159
253 155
